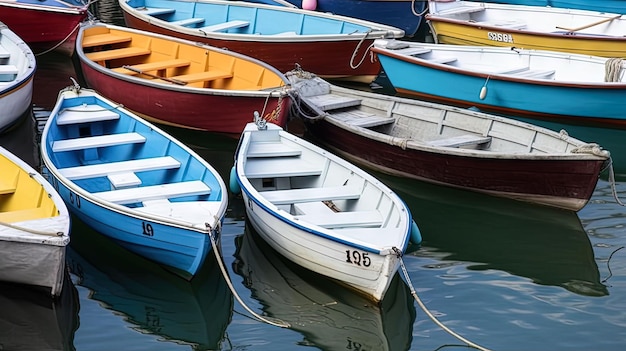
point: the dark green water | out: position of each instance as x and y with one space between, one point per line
502 274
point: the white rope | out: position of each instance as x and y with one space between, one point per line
357 50
613 70
430 315
61 42
277 322
612 182
33 231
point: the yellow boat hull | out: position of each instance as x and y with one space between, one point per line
459 33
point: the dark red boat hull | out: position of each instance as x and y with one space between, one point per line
571 181
42 28
227 113
327 59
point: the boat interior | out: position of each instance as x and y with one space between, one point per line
232 18
314 188
172 62
121 160
22 198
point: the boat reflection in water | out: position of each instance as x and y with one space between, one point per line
547 245
329 316
150 298
29 322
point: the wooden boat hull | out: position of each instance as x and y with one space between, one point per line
593 102
505 29
120 186
419 140
397 13
34 227
220 110
293 294
44 25
365 262
331 55
16 86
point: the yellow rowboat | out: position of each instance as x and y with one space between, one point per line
34 227
528 27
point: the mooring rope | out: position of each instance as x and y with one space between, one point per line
613 70
61 42
356 50
428 313
277 322
29 230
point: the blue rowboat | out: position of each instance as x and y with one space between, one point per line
132 182
514 82
404 14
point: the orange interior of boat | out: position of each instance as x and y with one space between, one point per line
173 62
22 198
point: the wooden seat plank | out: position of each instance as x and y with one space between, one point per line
461 140
362 119
103 169
346 219
290 196
270 149
114 54
97 141
153 66
154 192
123 179
328 102
202 76
188 21
86 114
104 39
224 26
156 11
8 69
4 53
279 167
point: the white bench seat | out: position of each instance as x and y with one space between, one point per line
362 119
272 149
290 196
327 102
97 141
4 53
156 11
461 140
85 114
224 26
9 69
103 169
188 21
536 73
410 51
345 219
442 60
154 192
280 167
123 179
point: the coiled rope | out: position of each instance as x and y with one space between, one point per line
273 321
613 70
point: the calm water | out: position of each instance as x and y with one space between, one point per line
504 275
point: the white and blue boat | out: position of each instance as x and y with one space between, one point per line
132 182
321 211
509 81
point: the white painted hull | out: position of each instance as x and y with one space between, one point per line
357 241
